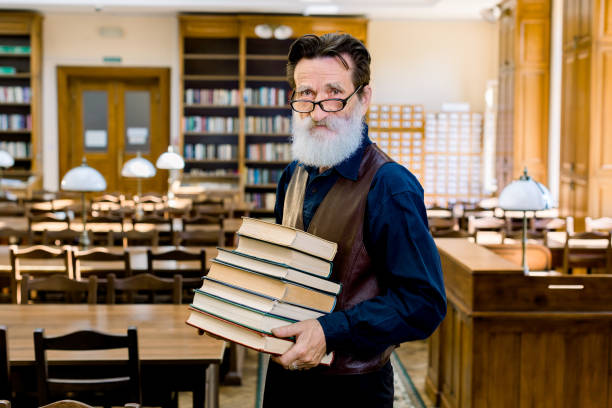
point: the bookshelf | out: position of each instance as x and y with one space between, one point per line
235 110
20 84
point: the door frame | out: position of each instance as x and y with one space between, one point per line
65 74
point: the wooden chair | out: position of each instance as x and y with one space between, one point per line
36 253
63 237
199 238
135 238
163 226
145 282
452 233
15 237
78 404
102 225
517 235
587 256
61 283
5 368
105 262
192 278
492 224
539 257
603 224
12 210
96 391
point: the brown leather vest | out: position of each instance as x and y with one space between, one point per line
340 218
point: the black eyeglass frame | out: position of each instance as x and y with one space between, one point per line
314 104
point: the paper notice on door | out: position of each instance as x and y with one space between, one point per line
96 139
137 135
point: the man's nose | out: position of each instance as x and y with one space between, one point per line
318 114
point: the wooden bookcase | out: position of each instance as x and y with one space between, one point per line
20 86
223 52
524 61
586 110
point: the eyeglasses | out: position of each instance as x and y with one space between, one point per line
326 105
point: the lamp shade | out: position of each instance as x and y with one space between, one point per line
6 160
264 31
83 178
525 194
170 160
138 167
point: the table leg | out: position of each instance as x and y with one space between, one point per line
212 387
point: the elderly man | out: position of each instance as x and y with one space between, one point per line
341 187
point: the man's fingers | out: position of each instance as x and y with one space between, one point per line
287 331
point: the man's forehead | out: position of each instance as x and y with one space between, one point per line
329 70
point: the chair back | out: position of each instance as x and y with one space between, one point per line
538 257
199 238
138 238
60 283
452 233
39 257
100 262
98 391
5 373
587 250
145 282
192 278
598 224
63 237
79 404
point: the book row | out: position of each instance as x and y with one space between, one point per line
210 124
268 124
223 97
276 276
261 200
265 96
15 94
15 49
19 150
263 176
216 172
202 151
7 70
15 121
269 151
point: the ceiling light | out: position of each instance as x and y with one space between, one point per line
264 31
282 32
321 9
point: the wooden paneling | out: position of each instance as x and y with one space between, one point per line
532 347
209 26
523 92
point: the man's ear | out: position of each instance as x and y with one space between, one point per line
365 98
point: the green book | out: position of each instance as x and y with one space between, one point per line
8 70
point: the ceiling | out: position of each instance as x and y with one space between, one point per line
373 9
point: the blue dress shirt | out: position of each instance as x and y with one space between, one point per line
397 238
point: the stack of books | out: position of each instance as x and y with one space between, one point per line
276 276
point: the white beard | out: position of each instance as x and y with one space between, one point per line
326 147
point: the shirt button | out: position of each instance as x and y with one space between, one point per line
314 190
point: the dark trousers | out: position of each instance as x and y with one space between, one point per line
312 389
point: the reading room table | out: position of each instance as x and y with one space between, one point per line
173 356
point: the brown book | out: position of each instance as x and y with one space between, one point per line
273 287
288 237
242 335
284 255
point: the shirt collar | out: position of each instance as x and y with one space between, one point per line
349 168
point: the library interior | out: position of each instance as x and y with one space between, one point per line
143 145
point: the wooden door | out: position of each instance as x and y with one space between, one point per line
113 120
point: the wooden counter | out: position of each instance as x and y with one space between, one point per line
511 340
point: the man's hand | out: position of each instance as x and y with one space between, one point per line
309 347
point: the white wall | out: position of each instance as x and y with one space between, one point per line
73 39
431 62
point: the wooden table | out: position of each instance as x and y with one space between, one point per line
173 356
511 340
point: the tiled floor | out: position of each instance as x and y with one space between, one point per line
413 356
